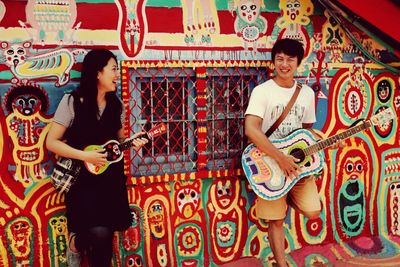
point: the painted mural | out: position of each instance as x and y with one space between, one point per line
190 204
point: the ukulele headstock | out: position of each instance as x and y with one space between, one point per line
157 130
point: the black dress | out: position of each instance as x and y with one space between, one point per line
97 200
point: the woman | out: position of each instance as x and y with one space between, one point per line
97 205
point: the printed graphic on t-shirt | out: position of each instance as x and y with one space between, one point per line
292 121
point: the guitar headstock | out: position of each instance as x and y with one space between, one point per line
383 117
157 130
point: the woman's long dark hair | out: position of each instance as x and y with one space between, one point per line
93 63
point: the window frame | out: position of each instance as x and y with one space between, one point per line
200 165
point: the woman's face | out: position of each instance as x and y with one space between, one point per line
108 78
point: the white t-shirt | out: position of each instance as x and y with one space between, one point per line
268 100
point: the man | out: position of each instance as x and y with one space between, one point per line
267 102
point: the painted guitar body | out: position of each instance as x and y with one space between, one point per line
114 154
263 172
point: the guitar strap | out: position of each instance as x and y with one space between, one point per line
285 111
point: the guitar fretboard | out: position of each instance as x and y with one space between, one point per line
335 138
127 144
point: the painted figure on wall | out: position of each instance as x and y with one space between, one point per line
385 85
27 125
199 18
351 93
351 192
20 238
227 220
249 24
48 16
189 224
334 38
25 67
57 227
187 201
158 238
295 23
132 26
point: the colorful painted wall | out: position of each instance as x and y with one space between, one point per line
192 64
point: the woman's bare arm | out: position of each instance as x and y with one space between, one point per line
55 144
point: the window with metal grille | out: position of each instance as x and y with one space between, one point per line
203 106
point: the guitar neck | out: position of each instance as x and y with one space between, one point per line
129 143
335 138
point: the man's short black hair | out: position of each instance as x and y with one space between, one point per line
289 47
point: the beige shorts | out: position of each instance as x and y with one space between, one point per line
303 197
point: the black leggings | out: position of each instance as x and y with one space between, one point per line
97 242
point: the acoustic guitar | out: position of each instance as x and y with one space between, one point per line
266 177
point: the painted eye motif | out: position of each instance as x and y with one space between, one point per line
228 191
32 101
359 167
349 167
20 101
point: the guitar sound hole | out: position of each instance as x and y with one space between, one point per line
298 154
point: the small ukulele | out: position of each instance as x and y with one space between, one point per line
114 149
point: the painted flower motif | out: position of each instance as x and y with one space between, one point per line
190 240
225 232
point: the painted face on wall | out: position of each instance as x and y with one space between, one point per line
59 225
27 104
354 167
249 10
384 91
187 201
224 194
133 261
19 234
293 9
351 195
156 215
15 54
187 198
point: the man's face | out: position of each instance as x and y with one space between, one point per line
285 65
